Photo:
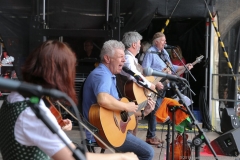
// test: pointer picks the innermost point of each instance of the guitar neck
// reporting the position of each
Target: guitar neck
(157, 80)
(178, 73)
(183, 70)
(140, 106)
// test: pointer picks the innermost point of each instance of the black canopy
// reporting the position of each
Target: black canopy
(22, 25)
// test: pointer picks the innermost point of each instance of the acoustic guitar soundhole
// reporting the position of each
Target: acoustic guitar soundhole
(124, 116)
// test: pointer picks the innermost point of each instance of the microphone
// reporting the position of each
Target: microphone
(127, 70)
(27, 88)
(169, 47)
(151, 72)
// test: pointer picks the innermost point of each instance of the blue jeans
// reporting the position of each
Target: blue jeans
(152, 122)
(133, 144)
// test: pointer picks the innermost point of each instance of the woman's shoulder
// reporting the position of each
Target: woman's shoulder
(15, 97)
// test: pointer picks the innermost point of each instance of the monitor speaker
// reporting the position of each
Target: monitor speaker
(227, 144)
(229, 120)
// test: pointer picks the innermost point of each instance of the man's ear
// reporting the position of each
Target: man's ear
(134, 45)
(106, 58)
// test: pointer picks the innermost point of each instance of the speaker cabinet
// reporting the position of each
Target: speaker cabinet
(227, 144)
(229, 120)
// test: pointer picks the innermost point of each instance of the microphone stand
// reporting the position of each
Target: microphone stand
(168, 65)
(166, 61)
(201, 137)
(184, 65)
(182, 89)
(78, 153)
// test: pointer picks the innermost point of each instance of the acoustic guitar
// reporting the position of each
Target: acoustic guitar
(113, 125)
(137, 93)
(198, 60)
(140, 94)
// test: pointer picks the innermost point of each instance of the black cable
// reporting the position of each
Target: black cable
(160, 153)
(204, 110)
(168, 20)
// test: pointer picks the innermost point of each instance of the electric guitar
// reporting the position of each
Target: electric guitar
(113, 125)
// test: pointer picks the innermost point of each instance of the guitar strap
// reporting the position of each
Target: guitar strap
(119, 93)
(163, 57)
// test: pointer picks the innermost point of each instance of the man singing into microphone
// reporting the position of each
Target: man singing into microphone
(131, 40)
(159, 62)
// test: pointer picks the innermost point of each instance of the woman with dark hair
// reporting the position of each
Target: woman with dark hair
(175, 59)
(52, 65)
(23, 135)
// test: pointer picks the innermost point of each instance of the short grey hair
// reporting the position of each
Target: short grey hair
(157, 36)
(109, 48)
(131, 37)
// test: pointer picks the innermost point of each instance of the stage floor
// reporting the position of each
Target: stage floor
(160, 153)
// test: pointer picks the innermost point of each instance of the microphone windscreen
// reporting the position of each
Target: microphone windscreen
(125, 69)
(147, 71)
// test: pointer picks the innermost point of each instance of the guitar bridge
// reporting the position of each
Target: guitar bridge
(116, 121)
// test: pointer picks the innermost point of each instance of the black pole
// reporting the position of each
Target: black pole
(168, 139)
(173, 129)
(78, 153)
(201, 133)
(197, 142)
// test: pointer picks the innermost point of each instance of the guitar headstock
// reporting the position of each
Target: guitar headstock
(198, 59)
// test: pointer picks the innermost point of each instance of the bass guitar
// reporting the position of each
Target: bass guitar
(113, 125)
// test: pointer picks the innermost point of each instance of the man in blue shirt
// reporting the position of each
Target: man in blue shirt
(159, 64)
(100, 87)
